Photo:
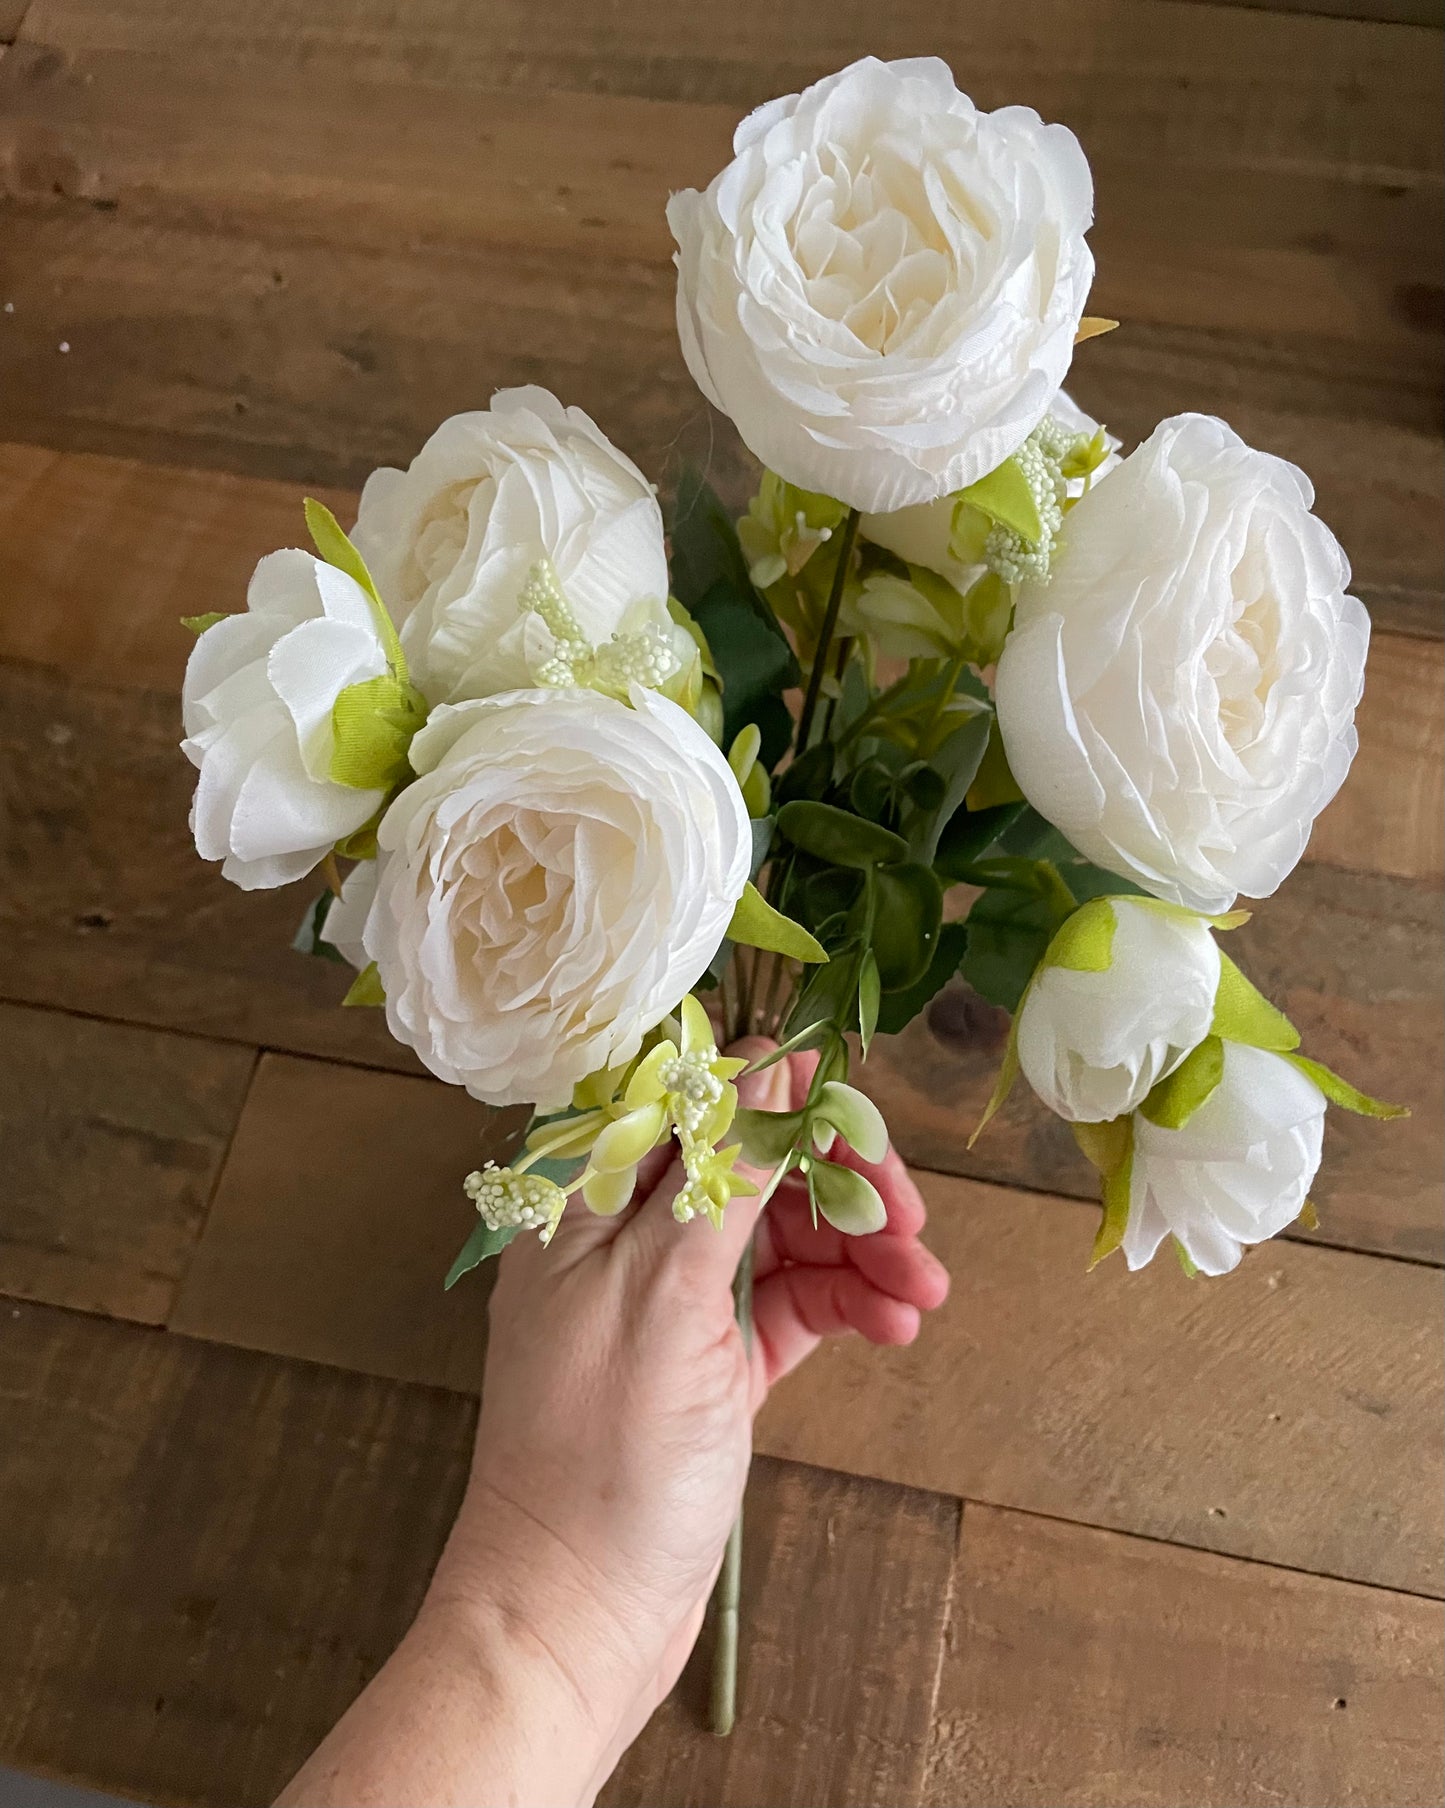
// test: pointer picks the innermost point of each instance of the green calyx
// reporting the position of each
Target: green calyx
(366, 988)
(1085, 943)
(372, 725)
(1243, 1014)
(1340, 1092)
(1109, 1147)
(1179, 1095)
(199, 623)
(335, 549)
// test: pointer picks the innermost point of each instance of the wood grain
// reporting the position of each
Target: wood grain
(111, 1139)
(862, 1573)
(257, 276)
(1355, 959)
(100, 557)
(337, 1218)
(1084, 1670)
(1140, 1402)
(106, 908)
(1147, 1403)
(252, 1536)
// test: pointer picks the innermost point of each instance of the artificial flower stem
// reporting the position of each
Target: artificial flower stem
(728, 1590)
(825, 634)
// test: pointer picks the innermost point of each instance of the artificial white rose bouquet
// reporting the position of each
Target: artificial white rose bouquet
(608, 802)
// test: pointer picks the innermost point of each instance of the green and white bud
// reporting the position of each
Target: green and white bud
(1124, 994)
(847, 1199)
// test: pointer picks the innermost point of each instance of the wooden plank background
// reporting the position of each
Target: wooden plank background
(1095, 1540)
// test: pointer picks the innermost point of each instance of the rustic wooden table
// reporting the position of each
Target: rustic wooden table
(1093, 1541)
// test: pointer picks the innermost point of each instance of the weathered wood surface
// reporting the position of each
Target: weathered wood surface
(1086, 1668)
(207, 1553)
(338, 1217)
(111, 1141)
(195, 217)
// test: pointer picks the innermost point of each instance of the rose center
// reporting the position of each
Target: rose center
(870, 247)
(1243, 663)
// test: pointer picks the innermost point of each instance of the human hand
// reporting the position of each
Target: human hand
(615, 1431)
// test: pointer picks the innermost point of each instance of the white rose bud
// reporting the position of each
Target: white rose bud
(257, 702)
(1237, 1172)
(1093, 1042)
(453, 540)
(1178, 698)
(555, 880)
(882, 288)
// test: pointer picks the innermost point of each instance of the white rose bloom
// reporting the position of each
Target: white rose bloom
(1178, 698)
(1093, 1045)
(1238, 1172)
(452, 540)
(256, 704)
(558, 876)
(921, 534)
(882, 288)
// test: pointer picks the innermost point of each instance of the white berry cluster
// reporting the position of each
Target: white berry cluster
(693, 1089)
(642, 656)
(504, 1198)
(1041, 459)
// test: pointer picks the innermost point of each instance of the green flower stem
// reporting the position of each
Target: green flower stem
(728, 1589)
(825, 635)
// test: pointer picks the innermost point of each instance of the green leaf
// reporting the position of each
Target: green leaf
(838, 836)
(870, 990)
(372, 725)
(1004, 496)
(199, 623)
(1244, 1014)
(970, 835)
(766, 1136)
(808, 776)
(955, 761)
(756, 924)
(831, 994)
(847, 1199)
(1176, 1098)
(308, 940)
(754, 661)
(907, 916)
(900, 1007)
(366, 988)
(1008, 1073)
(483, 1243)
(1085, 943)
(1340, 1092)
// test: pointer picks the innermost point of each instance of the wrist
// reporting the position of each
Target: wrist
(529, 1623)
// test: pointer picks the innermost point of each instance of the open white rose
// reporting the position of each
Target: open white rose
(452, 540)
(1240, 1169)
(1092, 1044)
(257, 703)
(1179, 697)
(557, 877)
(882, 288)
